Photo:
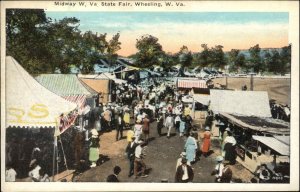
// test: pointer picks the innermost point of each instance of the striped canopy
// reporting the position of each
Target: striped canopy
(190, 83)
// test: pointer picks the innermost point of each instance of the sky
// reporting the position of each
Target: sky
(233, 30)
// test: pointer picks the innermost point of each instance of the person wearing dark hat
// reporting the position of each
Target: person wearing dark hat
(188, 125)
(120, 124)
(182, 126)
(184, 173)
(130, 151)
(114, 177)
(160, 124)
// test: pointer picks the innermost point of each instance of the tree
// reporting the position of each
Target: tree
(26, 38)
(255, 61)
(62, 42)
(149, 51)
(285, 55)
(91, 48)
(205, 56)
(45, 46)
(276, 64)
(185, 56)
(113, 46)
(267, 60)
(185, 59)
(217, 57)
(236, 60)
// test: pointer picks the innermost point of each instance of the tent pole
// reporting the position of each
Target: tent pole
(53, 166)
(57, 156)
(63, 153)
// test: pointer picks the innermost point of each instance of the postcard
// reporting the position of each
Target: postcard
(149, 95)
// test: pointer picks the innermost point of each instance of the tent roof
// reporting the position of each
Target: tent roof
(274, 144)
(64, 84)
(202, 98)
(247, 103)
(100, 85)
(103, 76)
(29, 104)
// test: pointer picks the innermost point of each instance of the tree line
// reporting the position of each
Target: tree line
(45, 46)
(277, 61)
(42, 45)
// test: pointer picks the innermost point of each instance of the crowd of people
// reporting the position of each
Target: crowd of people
(159, 102)
(134, 109)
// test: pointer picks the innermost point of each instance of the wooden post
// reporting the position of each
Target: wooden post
(251, 82)
(226, 79)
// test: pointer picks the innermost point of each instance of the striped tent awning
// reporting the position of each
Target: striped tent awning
(80, 100)
(184, 83)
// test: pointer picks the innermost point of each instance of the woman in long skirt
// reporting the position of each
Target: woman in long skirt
(190, 148)
(126, 118)
(206, 142)
(94, 148)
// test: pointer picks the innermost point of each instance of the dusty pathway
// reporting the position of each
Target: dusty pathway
(161, 157)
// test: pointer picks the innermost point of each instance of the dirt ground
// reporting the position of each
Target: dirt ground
(278, 89)
(161, 157)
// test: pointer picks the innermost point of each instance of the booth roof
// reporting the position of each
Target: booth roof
(275, 144)
(268, 125)
(64, 84)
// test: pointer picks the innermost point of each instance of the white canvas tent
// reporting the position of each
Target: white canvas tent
(247, 103)
(29, 104)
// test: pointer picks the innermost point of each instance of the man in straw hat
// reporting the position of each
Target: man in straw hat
(182, 155)
(138, 161)
(222, 172)
(218, 169)
(184, 173)
(138, 128)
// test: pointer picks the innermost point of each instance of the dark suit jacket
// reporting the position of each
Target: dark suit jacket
(179, 174)
(112, 178)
